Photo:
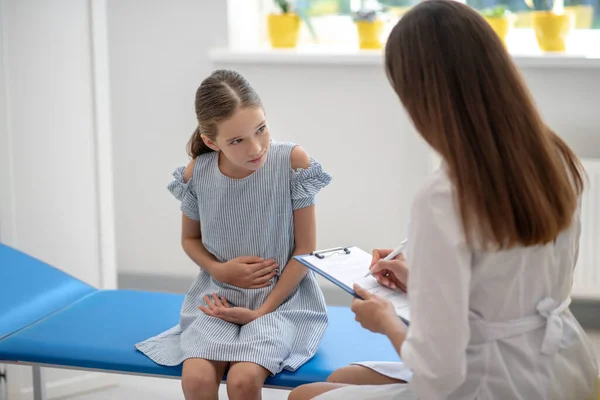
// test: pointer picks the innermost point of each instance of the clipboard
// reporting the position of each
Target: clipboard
(344, 266)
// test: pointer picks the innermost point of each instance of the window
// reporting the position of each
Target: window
(330, 23)
(586, 12)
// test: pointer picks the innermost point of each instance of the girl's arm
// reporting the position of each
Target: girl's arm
(191, 239)
(305, 227)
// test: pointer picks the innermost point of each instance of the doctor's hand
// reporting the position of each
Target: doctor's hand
(392, 274)
(375, 313)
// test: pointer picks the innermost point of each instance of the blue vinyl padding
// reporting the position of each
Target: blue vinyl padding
(31, 289)
(98, 330)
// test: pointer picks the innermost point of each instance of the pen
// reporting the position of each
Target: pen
(393, 254)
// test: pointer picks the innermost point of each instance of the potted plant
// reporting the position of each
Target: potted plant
(500, 19)
(283, 26)
(551, 24)
(397, 8)
(369, 28)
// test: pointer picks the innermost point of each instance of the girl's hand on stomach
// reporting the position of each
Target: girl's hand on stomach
(248, 272)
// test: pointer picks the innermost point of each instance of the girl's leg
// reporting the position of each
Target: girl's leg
(245, 381)
(312, 390)
(359, 375)
(200, 378)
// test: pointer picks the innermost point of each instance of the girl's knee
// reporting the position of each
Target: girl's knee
(196, 384)
(244, 382)
(200, 378)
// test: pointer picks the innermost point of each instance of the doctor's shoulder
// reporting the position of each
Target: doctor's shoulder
(435, 191)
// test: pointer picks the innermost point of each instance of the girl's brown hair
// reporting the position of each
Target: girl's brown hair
(217, 99)
(516, 181)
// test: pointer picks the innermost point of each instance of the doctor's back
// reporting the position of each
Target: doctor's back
(494, 233)
(492, 324)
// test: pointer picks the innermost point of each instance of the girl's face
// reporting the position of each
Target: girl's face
(243, 139)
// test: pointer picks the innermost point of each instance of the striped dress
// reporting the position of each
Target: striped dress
(252, 216)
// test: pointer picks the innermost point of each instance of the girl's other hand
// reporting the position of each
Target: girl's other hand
(218, 307)
(248, 272)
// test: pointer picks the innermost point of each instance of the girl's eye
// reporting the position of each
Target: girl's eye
(262, 129)
(236, 141)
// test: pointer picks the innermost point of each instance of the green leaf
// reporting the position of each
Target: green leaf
(499, 11)
(284, 5)
(304, 16)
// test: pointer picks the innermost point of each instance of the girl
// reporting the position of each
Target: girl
(493, 237)
(248, 207)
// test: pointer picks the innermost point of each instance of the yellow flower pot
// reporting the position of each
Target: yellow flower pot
(369, 34)
(501, 26)
(283, 30)
(551, 30)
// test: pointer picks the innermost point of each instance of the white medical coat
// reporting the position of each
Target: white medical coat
(485, 325)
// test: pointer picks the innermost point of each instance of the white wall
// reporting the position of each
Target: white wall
(50, 102)
(348, 117)
(48, 197)
(6, 217)
(568, 100)
(158, 55)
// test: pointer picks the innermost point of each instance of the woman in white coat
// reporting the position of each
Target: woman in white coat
(493, 238)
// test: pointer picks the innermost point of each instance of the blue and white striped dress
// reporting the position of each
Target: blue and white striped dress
(252, 216)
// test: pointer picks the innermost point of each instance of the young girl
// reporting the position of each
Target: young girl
(248, 206)
(493, 235)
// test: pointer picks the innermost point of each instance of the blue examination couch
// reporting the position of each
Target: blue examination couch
(50, 319)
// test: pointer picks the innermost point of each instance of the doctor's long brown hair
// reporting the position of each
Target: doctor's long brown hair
(469, 102)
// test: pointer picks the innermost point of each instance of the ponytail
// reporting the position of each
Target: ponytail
(196, 145)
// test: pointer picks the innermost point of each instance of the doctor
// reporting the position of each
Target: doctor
(494, 233)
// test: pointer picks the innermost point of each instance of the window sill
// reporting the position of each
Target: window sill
(583, 52)
(321, 55)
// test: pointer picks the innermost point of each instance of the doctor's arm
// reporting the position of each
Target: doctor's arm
(440, 273)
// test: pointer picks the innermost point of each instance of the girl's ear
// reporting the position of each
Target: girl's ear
(211, 144)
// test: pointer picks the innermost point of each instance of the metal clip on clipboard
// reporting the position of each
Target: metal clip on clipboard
(320, 254)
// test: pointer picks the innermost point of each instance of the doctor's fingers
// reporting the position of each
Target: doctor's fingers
(383, 278)
(378, 254)
(395, 267)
